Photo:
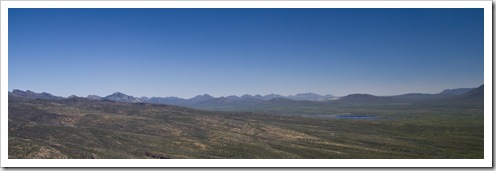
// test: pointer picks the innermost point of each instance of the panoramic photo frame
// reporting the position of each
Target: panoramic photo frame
(485, 162)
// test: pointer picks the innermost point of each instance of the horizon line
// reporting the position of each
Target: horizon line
(327, 94)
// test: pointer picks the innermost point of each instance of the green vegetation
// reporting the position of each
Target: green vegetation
(82, 128)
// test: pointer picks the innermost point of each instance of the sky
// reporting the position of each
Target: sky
(221, 52)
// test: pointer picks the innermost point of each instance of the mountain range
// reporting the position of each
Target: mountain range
(449, 124)
(207, 101)
(33, 95)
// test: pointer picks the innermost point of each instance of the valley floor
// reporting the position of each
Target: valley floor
(82, 128)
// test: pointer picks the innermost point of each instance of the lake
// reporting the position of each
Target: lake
(357, 117)
(342, 116)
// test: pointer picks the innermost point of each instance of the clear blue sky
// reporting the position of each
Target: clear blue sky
(186, 52)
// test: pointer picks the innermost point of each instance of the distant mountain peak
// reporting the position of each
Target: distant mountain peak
(246, 96)
(310, 97)
(201, 98)
(118, 94)
(474, 96)
(456, 91)
(204, 96)
(280, 99)
(33, 95)
(121, 97)
(94, 97)
(46, 94)
(365, 98)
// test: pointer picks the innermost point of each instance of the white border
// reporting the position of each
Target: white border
(488, 83)
(245, 4)
(486, 162)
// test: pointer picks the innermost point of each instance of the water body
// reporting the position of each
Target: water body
(343, 116)
(357, 117)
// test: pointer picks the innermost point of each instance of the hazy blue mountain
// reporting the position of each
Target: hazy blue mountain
(258, 96)
(459, 95)
(301, 96)
(246, 96)
(143, 99)
(81, 100)
(473, 96)
(310, 97)
(169, 100)
(33, 95)
(94, 97)
(281, 101)
(416, 97)
(121, 97)
(201, 98)
(365, 98)
(232, 97)
(271, 96)
(457, 91)
(224, 102)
